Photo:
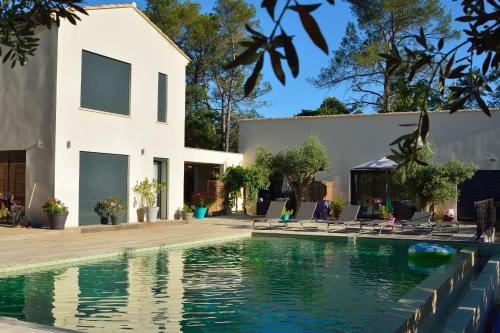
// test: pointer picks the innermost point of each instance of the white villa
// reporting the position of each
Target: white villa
(99, 107)
(102, 105)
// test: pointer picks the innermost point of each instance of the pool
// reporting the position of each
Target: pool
(261, 283)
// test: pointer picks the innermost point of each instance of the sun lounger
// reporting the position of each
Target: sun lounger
(348, 217)
(377, 223)
(446, 224)
(273, 213)
(418, 220)
(304, 214)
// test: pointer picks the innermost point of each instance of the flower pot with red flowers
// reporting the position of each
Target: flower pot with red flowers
(202, 201)
(57, 213)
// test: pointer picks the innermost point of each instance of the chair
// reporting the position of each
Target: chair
(379, 223)
(273, 213)
(348, 216)
(418, 220)
(304, 214)
(446, 224)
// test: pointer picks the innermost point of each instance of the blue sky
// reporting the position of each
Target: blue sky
(298, 94)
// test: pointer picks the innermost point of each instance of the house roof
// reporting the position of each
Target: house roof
(138, 11)
(362, 115)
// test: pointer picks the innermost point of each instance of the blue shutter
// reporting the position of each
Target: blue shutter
(105, 84)
(162, 98)
(101, 176)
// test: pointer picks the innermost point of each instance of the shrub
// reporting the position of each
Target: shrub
(4, 212)
(337, 205)
(298, 165)
(147, 192)
(54, 206)
(203, 199)
(112, 206)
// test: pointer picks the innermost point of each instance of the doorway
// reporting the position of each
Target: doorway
(160, 172)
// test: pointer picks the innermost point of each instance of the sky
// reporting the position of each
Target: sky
(298, 94)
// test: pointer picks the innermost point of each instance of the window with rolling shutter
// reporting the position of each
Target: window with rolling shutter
(162, 98)
(101, 176)
(105, 84)
(13, 174)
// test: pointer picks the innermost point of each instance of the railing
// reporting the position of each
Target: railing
(486, 218)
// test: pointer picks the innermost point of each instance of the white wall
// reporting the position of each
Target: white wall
(120, 33)
(27, 115)
(352, 140)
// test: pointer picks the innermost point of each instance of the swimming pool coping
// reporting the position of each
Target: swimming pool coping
(474, 310)
(419, 309)
(20, 269)
(16, 325)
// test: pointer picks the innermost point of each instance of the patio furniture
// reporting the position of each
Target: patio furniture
(304, 214)
(446, 224)
(420, 220)
(348, 217)
(377, 223)
(273, 213)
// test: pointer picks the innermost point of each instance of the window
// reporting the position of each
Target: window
(105, 84)
(162, 98)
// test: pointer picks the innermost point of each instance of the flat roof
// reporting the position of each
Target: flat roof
(133, 5)
(362, 115)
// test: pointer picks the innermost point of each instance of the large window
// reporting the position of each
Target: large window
(105, 84)
(162, 98)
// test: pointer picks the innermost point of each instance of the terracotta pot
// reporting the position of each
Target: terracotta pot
(189, 217)
(140, 214)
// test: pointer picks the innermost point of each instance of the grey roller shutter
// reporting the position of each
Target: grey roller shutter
(162, 98)
(101, 176)
(105, 84)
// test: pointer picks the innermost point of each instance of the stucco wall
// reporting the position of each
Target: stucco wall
(120, 33)
(27, 115)
(352, 140)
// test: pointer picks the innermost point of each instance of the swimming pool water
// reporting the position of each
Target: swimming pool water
(257, 284)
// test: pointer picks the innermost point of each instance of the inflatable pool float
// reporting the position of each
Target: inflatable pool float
(430, 251)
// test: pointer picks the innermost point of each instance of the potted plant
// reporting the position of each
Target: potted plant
(337, 205)
(4, 212)
(57, 212)
(285, 214)
(188, 213)
(116, 209)
(202, 201)
(147, 191)
(102, 209)
(387, 214)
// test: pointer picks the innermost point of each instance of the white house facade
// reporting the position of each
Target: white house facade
(352, 140)
(99, 107)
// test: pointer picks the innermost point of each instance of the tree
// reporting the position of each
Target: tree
(382, 25)
(251, 179)
(298, 165)
(482, 34)
(432, 183)
(19, 18)
(329, 106)
(215, 99)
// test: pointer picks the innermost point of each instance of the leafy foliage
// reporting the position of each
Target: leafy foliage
(54, 206)
(482, 35)
(381, 26)
(19, 18)
(215, 98)
(203, 199)
(298, 165)
(251, 179)
(147, 192)
(433, 183)
(278, 44)
(329, 106)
